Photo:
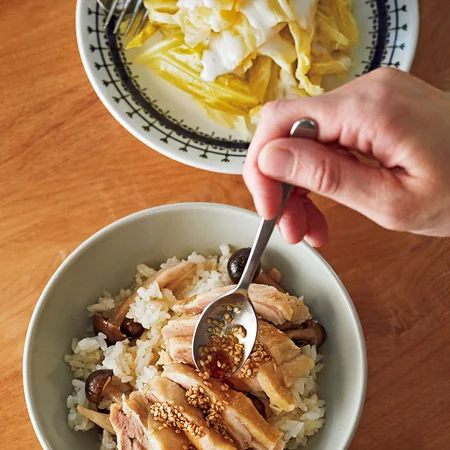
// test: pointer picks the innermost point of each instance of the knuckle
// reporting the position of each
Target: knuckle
(386, 74)
(385, 86)
(271, 110)
(326, 177)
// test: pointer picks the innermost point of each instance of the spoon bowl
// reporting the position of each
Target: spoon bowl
(237, 304)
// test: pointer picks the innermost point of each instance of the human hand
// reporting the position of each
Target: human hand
(398, 120)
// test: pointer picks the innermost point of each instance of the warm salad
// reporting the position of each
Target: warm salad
(233, 56)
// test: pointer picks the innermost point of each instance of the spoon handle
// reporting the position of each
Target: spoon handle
(262, 238)
(306, 129)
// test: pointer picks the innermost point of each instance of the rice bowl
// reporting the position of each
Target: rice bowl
(118, 245)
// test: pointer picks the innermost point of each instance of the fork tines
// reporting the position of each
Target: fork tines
(120, 8)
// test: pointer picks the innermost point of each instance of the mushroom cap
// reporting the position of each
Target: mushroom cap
(237, 262)
(96, 382)
(132, 329)
(112, 332)
(310, 333)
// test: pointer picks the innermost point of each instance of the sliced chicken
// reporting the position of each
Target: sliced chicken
(178, 334)
(273, 378)
(127, 431)
(183, 325)
(249, 385)
(290, 361)
(264, 278)
(271, 381)
(136, 428)
(277, 344)
(277, 307)
(280, 446)
(164, 277)
(180, 349)
(172, 276)
(243, 421)
(270, 304)
(164, 390)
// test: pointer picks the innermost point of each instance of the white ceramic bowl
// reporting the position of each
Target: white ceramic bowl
(108, 259)
(169, 121)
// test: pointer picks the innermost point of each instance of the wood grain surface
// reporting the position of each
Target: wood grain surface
(67, 169)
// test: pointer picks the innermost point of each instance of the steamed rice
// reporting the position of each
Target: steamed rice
(137, 362)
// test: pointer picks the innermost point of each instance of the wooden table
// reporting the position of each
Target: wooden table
(67, 169)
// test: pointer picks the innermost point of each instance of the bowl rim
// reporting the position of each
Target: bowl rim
(65, 265)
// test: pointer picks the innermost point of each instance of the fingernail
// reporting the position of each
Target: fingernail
(276, 162)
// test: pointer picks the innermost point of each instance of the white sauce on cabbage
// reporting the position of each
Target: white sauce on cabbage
(226, 51)
(224, 54)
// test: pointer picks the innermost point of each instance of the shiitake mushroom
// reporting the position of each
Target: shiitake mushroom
(112, 332)
(96, 383)
(115, 333)
(237, 263)
(99, 385)
(132, 329)
(309, 333)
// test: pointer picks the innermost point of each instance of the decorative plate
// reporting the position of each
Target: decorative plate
(169, 121)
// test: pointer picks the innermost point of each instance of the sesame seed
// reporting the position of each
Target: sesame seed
(252, 365)
(172, 416)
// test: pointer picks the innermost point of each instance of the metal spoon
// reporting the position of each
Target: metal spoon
(237, 300)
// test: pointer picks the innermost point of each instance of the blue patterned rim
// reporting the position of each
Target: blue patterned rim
(386, 25)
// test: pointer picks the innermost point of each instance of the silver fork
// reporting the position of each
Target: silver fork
(122, 8)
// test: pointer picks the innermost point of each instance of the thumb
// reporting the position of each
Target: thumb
(316, 167)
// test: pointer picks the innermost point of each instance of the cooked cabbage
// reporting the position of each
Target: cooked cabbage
(233, 56)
